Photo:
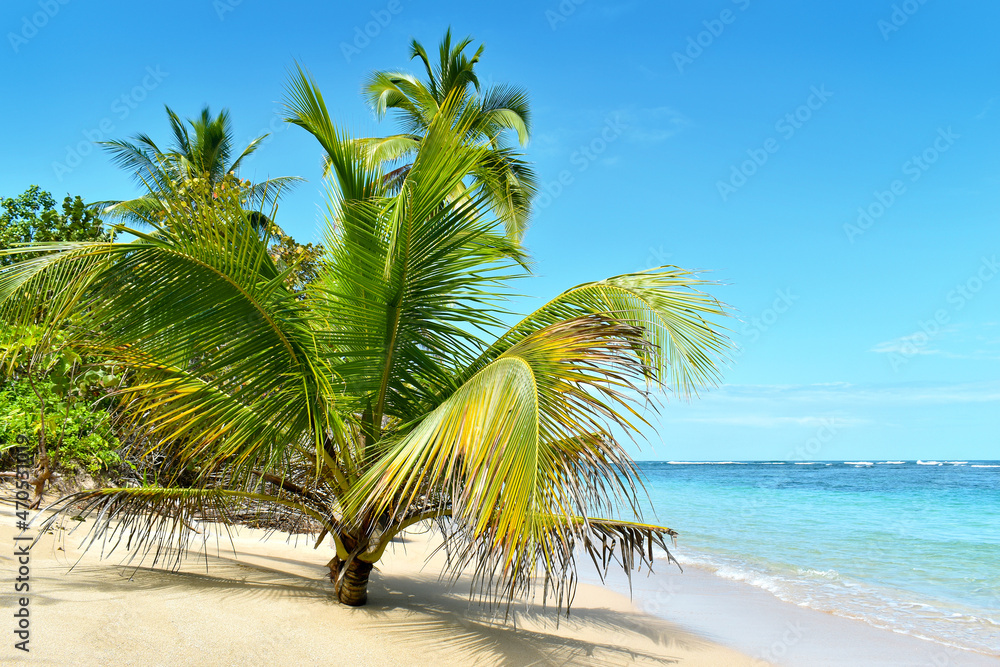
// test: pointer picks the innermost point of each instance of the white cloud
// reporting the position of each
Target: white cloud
(765, 421)
(868, 394)
(653, 124)
(907, 345)
(965, 341)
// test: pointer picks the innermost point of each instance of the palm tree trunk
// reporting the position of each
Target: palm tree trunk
(350, 583)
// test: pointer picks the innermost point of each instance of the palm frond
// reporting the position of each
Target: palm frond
(505, 107)
(686, 345)
(163, 522)
(521, 450)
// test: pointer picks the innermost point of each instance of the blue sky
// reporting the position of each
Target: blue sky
(835, 165)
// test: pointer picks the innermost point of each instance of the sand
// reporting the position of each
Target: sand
(270, 604)
(752, 620)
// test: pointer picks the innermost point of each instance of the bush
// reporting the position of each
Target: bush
(76, 435)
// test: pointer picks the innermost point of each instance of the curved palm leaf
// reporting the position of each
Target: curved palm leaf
(522, 452)
(505, 179)
(378, 397)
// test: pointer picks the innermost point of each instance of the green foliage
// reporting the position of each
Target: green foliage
(375, 382)
(46, 385)
(200, 150)
(305, 260)
(501, 174)
(47, 389)
(76, 435)
(31, 217)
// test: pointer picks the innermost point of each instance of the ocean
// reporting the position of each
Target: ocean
(909, 546)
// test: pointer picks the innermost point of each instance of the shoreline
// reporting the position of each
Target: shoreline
(755, 622)
(271, 603)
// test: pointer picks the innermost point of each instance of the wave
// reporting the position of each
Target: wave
(891, 463)
(979, 465)
(706, 463)
(832, 592)
(858, 463)
(929, 463)
(806, 463)
(956, 463)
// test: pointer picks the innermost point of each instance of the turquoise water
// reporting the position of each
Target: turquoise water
(913, 547)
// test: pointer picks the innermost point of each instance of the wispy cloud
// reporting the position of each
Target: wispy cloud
(579, 128)
(906, 345)
(963, 342)
(765, 421)
(653, 124)
(845, 393)
(986, 110)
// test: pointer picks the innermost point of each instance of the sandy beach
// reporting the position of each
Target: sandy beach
(271, 605)
(770, 631)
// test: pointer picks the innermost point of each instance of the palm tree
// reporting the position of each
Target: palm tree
(391, 391)
(508, 181)
(202, 154)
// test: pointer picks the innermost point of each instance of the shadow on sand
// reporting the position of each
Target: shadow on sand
(418, 611)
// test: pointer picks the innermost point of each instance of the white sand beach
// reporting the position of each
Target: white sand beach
(270, 603)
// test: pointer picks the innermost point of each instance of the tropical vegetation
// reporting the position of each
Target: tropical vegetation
(50, 396)
(395, 386)
(199, 162)
(492, 113)
(32, 217)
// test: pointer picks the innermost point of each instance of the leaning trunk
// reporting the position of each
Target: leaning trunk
(350, 580)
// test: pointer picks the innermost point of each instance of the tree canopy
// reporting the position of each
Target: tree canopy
(390, 388)
(32, 217)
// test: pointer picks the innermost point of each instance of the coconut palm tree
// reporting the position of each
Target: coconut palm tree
(502, 173)
(392, 390)
(203, 153)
